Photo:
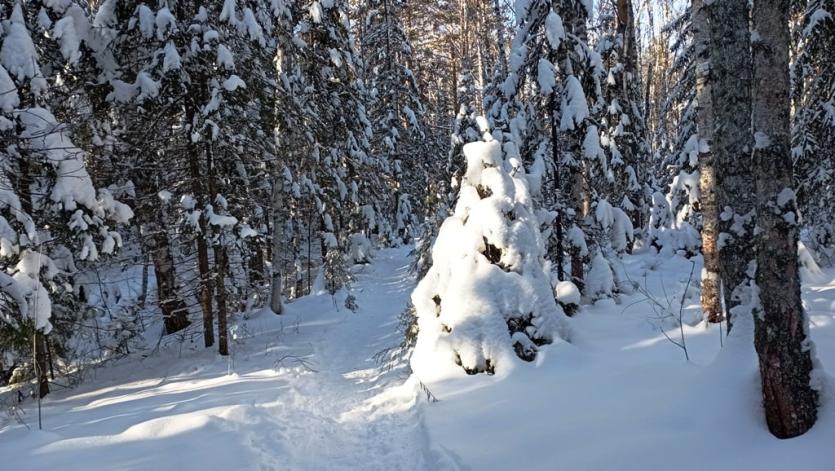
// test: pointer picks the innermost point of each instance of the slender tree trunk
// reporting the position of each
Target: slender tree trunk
(222, 266)
(204, 288)
(780, 325)
(730, 59)
(174, 309)
(711, 281)
(41, 364)
(278, 224)
(39, 361)
(559, 257)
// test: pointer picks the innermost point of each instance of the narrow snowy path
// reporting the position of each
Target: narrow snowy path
(301, 391)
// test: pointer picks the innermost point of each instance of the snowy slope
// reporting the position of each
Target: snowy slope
(620, 397)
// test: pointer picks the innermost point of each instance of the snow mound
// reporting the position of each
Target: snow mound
(486, 299)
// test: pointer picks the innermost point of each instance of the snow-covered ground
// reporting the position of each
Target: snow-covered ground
(303, 391)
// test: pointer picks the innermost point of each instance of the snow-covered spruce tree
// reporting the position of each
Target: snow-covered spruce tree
(396, 109)
(551, 57)
(333, 187)
(781, 328)
(186, 76)
(813, 86)
(623, 131)
(487, 297)
(674, 223)
(51, 214)
(126, 42)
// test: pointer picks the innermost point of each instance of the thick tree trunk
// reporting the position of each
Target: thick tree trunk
(711, 281)
(174, 309)
(730, 59)
(780, 325)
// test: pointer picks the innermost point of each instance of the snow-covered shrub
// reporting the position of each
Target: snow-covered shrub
(600, 281)
(359, 249)
(669, 235)
(486, 298)
(568, 295)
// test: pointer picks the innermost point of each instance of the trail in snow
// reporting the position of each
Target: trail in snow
(301, 391)
(621, 396)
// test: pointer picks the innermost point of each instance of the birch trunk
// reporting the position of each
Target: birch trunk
(780, 325)
(711, 281)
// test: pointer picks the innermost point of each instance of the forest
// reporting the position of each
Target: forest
(417, 234)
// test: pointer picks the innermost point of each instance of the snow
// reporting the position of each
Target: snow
(146, 21)
(70, 40)
(817, 17)
(546, 77)
(761, 140)
(233, 83)
(171, 60)
(301, 391)
(43, 134)
(315, 11)
(18, 55)
(9, 98)
(575, 108)
(621, 396)
(567, 293)
(166, 23)
(224, 57)
(253, 28)
(487, 278)
(554, 30)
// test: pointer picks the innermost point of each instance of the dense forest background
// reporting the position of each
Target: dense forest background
(166, 166)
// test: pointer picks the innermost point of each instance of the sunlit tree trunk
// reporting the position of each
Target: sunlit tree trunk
(711, 281)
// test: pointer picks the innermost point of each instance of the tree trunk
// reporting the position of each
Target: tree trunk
(221, 265)
(780, 325)
(152, 220)
(174, 309)
(730, 59)
(278, 224)
(204, 288)
(40, 363)
(711, 282)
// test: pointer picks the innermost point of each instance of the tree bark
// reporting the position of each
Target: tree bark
(204, 288)
(222, 265)
(730, 59)
(780, 325)
(278, 223)
(711, 281)
(152, 220)
(40, 363)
